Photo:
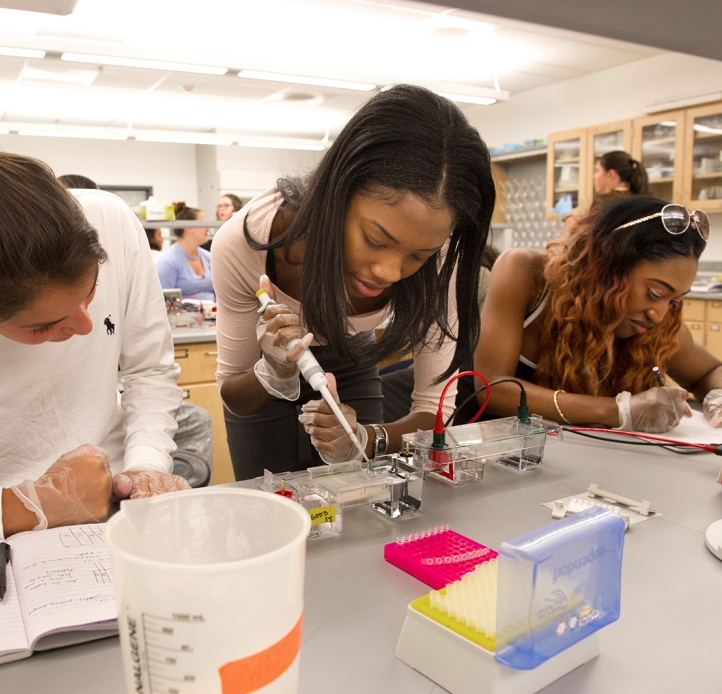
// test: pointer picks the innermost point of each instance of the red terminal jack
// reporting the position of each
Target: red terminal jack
(439, 454)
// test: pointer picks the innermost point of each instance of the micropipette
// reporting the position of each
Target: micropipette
(315, 376)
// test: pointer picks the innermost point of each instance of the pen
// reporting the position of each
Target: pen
(4, 559)
(658, 376)
(662, 384)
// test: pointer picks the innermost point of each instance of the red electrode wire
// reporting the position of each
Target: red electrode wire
(709, 447)
(439, 428)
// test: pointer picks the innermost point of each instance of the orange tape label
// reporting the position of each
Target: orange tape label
(250, 674)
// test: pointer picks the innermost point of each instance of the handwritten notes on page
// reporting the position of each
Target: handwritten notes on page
(14, 642)
(63, 580)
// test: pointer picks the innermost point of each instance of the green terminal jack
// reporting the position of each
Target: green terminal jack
(522, 411)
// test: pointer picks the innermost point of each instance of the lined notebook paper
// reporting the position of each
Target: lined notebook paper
(59, 591)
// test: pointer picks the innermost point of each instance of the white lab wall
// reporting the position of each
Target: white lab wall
(247, 171)
(600, 97)
(169, 168)
(608, 95)
(208, 178)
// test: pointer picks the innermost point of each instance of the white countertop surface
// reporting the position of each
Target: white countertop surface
(184, 336)
(666, 641)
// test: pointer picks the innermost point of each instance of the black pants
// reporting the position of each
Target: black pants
(274, 439)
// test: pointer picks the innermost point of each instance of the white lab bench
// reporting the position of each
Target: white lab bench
(667, 639)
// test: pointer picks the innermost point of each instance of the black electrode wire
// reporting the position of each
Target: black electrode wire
(481, 390)
(681, 449)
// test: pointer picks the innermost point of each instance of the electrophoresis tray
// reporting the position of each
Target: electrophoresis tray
(389, 485)
(511, 441)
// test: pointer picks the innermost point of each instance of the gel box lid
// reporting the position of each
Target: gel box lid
(557, 585)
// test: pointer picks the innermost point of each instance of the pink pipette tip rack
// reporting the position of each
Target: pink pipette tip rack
(437, 556)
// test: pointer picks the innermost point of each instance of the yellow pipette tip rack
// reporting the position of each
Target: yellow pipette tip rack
(467, 606)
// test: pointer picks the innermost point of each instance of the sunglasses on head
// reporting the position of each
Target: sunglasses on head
(676, 220)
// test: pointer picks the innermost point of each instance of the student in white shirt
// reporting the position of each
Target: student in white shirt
(81, 312)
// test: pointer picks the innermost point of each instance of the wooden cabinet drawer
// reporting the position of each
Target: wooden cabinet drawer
(206, 395)
(694, 309)
(197, 362)
(697, 330)
(714, 339)
(714, 311)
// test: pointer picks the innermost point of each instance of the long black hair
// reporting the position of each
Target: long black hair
(407, 139)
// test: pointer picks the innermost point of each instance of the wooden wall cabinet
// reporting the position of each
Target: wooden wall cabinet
(568, 168)
(703, 158)
(198, 381)
(680, 150)
(608, 137)
(659, 143)
(704, 319)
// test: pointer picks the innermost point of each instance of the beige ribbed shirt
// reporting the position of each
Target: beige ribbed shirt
(236, 272)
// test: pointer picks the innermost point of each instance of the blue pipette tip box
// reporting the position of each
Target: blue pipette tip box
(557, 585)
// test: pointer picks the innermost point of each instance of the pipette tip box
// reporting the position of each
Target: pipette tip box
(517, 623)
(437, 556)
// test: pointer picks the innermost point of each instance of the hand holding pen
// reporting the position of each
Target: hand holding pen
(662, 384)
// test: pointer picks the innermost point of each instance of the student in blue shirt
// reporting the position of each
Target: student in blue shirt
(185, 265)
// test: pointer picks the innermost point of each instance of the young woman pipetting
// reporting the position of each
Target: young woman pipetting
(391, 225)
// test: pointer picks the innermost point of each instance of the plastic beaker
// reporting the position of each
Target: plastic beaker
(209, 585)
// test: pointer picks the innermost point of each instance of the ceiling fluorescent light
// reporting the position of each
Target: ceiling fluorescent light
(21, 52)
(466, 99)
(84, 135)
(3, 131)
(64, 75)
(682, 102)
(283, 145)
(147, 64)
(313, 81)
(182, 139)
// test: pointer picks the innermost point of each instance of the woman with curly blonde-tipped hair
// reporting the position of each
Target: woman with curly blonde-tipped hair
(583, 324)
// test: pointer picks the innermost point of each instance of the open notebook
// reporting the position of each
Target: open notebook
(59, 591)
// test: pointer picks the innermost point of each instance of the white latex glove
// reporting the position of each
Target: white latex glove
(654, 411)
(327, 434)
(276, 370)
(140, 484)
(712, 406)
(76, 488)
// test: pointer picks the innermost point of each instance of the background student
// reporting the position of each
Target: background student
(395, 218)
(186, 265)
(228, 205)
(616, 175)
(81, 312)
(583, 324)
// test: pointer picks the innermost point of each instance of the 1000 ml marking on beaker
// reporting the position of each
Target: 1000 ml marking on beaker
(168, 640)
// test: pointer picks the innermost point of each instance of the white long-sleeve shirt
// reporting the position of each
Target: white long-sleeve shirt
(56, 396)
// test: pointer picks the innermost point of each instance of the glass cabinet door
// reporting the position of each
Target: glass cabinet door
(610, 137)
(703, 180)
(658, 140)
(566, 169)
